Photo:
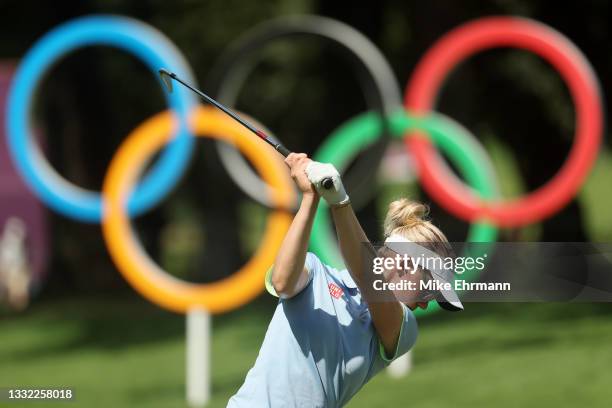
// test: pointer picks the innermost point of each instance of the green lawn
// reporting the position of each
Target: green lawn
(123, 352)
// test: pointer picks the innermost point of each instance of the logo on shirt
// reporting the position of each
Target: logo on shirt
(335, 290)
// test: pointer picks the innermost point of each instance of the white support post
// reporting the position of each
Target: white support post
(198, 358)
(401, 367)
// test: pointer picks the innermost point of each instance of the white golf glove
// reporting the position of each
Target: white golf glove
(317, 173)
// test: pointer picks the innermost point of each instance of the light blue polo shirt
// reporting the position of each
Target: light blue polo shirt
(320, 347)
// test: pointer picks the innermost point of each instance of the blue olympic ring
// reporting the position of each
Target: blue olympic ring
(140, 40)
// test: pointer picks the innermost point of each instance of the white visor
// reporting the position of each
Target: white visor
(447, 299)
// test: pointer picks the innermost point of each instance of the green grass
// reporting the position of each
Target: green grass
(122, 352)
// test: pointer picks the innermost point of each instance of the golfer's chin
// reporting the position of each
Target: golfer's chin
(416, 305)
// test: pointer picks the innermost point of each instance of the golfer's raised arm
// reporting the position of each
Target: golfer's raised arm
(289, 276)
(386, 316)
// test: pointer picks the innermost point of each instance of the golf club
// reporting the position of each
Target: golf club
(167, 77)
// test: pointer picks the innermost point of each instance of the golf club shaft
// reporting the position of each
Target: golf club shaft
(326, 183)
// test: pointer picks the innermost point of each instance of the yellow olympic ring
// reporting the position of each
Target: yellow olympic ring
(132, 261)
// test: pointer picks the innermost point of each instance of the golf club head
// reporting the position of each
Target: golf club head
(166, 77)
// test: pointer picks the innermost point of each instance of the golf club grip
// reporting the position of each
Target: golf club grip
(327, 183)
(282, 150)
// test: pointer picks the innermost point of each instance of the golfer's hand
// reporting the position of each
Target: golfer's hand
(297, 163)
(317, 173)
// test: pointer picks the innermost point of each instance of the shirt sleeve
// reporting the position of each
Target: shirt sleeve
(309, 263)
(407, 337)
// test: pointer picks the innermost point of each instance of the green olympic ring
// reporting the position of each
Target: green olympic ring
(358, 133)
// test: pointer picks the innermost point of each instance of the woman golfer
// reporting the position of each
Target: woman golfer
(325, 341)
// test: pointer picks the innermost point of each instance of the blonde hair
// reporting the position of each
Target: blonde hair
(410, 220)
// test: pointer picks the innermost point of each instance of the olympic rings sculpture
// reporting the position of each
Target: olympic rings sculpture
(138, 269)
(133, 36)
(463, 150)
(417, 123)
(376, 78)
(573, 67)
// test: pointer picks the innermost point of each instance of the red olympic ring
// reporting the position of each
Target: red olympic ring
(573, 67)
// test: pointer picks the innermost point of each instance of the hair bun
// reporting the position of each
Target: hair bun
(405, 213)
